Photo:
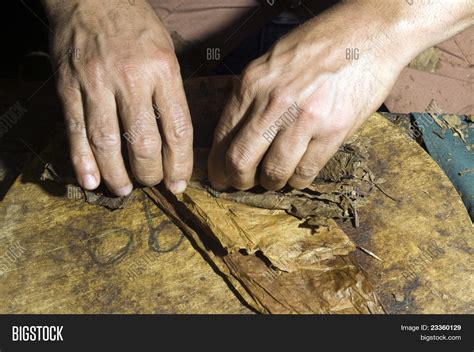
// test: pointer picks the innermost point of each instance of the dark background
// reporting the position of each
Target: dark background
(23, 31)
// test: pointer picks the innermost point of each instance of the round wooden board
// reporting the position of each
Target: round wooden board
(80, 258)
(425, 238)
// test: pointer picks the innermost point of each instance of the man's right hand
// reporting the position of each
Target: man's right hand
(116, 67)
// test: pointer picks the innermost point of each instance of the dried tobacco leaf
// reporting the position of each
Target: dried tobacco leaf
(241, 227)
(276, 265)
(341, 187)
(97, 197)
(348, 163)
(109, 202)
(281, 250)
(340, 289)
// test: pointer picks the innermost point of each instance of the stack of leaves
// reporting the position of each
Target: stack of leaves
(279, 251)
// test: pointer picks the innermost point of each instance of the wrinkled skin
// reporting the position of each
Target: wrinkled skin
(307, 68)
(116, 66)
(334, 94)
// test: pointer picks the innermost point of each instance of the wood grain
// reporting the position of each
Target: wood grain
(72, 257)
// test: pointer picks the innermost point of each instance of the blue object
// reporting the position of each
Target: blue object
(452, 154)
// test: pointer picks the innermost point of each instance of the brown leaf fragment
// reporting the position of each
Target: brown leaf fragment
(96, 197)
(50, 174)
(109, 202)
(348, 162)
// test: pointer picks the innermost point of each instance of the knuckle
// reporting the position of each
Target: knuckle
(168, 65)
(238, 158)
(275, 173)
(281, 98)
(249, 82)
(308, 122)
(316, 119)
(131, 71)
(104, 142)
(222, 131)
(181, 131)
(249, 78)
(146, 147)
(93, 69)
(307, 171)
(76, 127)
(131, 76)
(336, 127)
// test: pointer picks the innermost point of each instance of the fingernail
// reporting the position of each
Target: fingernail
(89, 182)
(178, 187)
(124, 191)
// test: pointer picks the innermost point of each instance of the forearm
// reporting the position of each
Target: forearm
(411, 26)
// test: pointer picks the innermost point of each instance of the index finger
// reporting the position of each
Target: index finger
(232, 119)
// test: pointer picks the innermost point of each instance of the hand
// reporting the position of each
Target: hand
(116, 66)
(298, 103)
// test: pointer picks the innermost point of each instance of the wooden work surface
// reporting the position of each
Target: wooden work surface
(80, 258)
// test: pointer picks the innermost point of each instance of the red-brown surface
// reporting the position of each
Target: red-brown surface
(451, 86)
